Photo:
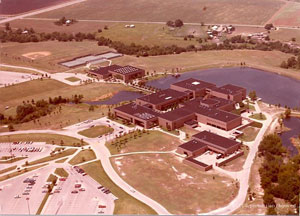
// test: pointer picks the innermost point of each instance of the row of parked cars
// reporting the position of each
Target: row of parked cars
(26, 143)
(104, 190)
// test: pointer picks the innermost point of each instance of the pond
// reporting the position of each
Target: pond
(117, 98)
(294, 124)
(271, 87)
(22, 6)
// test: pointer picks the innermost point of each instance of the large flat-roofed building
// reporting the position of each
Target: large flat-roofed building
(209, 111)
(229, 92)
(195, 87)
(204, 141)
(137, 114)
(175, 118)
(104, 72)
(163, 100)
(217, 143)
(126, 73)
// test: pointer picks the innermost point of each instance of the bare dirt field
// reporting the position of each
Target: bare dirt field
(178, 187)
(208, 11)
(36, 55)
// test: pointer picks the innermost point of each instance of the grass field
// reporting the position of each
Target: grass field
(96, 131)
(53, 157)
(40, 137)
(208, 11)
(12, 160)
(83, 156)
(250, 134)
(20, 172)
(8, 169)
(180, 188)
(37, 89)
(154, 141)
(286, 35)
(125, 204)
(213, 59)
(20, 70)
(258, 116)
(51, 178)
(61, 172)
(12, 53)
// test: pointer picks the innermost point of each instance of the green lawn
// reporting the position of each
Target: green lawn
(258, 116)
(12, 160)
(72, 79)
(51, 178)
(53, 157)
(125, 204)
(250, 134)
(83, 156)
(143, 141)
(19, 172)
(61, 172)
(237, 164)
(54, 139)
(8, 169)
(96, 131)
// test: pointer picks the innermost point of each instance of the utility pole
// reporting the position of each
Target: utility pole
(27, 199)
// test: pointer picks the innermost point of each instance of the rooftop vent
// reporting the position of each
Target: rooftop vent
(195, 83)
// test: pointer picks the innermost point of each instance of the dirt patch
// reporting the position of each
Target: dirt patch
(36, 55)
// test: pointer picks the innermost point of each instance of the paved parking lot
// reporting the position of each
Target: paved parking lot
(14, 187)
(33, 150)
(14, 78)
(83, 202)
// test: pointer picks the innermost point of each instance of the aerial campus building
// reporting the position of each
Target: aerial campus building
(187, 103)
(125, 73)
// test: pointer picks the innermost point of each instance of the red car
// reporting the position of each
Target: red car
(62, 179)
(74, 191)
(82, 189)
(77, 185)
(101, 206)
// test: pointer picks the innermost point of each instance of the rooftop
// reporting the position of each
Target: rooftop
(176, 114)
(163, 96)
(228, 89)
(140, 112)
(105, 70)
(126, 70)
(215, 139)
(194, 84)
(193, 145)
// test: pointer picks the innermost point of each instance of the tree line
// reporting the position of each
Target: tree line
(279, 174)
(292, 62)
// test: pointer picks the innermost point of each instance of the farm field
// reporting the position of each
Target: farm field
(289, 16)
(125, 204)
(208, 11)
(180, 193)
(286, 35)
(13, 53)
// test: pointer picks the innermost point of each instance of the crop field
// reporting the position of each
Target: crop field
(13, 53)
(208, 11)
(289, 16)
(286, 34)
(180, 188)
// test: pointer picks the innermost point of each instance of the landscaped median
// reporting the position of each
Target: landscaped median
(83, 156)
(52, 157)
(96, 131)
(61, 172)
(125, 204)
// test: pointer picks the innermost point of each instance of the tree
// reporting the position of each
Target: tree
(284, 65)
(269, 26)
(287, 113)
(7, 27)
(252, 95)
(91, 108)
(11, 127)
(178, 23)
(1, 117)
(170, 23)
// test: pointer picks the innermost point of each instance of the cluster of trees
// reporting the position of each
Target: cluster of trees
(292, 62)
(252, 95)
(279, 175)
(269, 26)
(63, 21)
(29, 35)
(34, 110)
(176, 23)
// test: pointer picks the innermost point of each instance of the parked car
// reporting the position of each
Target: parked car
(77, 185)
(25, 193)
(44, 191)
(74, 191)
(57, 191)
(17, 196)
(82, 189)
(219, 156)
(100, 187)
(62, 179)
(101, 206)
